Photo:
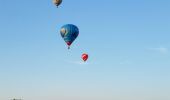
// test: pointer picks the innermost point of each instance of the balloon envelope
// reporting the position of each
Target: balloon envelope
(69, 33)
(84, 57)
(57, 2)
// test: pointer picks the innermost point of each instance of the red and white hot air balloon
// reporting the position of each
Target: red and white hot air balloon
(84, 57)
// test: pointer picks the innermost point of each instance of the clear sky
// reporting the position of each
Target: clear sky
(128, 42)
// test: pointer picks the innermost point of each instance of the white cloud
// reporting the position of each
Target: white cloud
(125, 62)
(160, 49)
(78, 62)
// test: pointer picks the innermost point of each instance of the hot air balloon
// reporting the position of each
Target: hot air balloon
(57, 2)
(84, 57)
(69, 33)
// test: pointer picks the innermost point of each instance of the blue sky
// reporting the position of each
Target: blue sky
(127, 42)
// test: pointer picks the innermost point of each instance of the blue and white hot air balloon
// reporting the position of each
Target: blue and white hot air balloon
(69, 33)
